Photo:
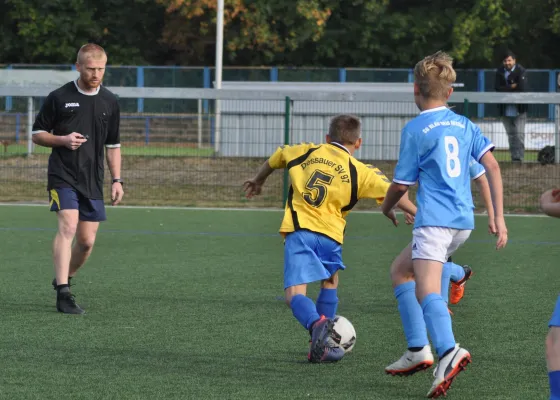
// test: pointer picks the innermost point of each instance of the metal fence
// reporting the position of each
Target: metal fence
(202, 158)
(474, 80)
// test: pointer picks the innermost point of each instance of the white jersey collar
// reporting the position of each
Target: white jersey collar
(434, 109)
(86, 93)
(340, 146)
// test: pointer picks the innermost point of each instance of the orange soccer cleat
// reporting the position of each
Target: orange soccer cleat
(458, 288)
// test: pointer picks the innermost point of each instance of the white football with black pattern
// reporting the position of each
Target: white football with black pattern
(344, 334)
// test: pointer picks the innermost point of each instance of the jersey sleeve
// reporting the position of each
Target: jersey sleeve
(476, 170)
(481, 144)
(113, 135)
(373, 184)
(278, 160)
(45, 119)
(407, 169)
(284, 155)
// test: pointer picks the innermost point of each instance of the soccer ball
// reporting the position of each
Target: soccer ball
(344, 333)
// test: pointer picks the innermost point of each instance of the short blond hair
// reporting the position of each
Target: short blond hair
(90, 50)
(345, 129)
(434, 75)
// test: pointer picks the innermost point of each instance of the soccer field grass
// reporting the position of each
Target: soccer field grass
(152, 151)
(187, 304)
(155, 150)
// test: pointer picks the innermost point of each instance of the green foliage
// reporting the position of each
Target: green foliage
(477, 32)
(36, 31)
(129, 30)
(255, 31)
(327, 33)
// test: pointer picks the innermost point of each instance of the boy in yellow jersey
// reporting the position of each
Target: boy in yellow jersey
(326, 183)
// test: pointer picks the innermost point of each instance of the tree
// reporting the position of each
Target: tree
(383, 33)
(479, 32)
(130, 31)
(36, 31)
(321, 33)
(534, 35)
(255, 31)
(42, 32)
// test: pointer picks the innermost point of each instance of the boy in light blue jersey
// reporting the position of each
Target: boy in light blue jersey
(435, 151)
(419, 354)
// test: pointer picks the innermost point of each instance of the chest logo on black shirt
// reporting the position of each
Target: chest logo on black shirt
(72, 105)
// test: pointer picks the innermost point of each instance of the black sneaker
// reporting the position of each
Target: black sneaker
(53, 283)
(66, 303)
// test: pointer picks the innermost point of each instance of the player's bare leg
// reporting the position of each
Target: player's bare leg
(553, 349)
(418, 356)
(85, 239)
(62, 253)
(62, 245)
(550, 203)
(454, 359)
(428, 277)
(292, 291)
(331, 283)
(553, 360)
(401, 268)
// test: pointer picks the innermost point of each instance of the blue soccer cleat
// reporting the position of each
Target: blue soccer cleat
(323, 348)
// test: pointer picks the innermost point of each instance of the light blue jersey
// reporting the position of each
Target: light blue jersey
(476, 169)
(436, 149)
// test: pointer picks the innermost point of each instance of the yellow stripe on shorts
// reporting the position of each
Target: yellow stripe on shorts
(54, 198)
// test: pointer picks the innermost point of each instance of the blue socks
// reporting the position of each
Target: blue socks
(411, 315)
(554, 379)
(304, 310)
(327, 302)
(438, 322)
(456, 271)
(445, 279)
(307, 313)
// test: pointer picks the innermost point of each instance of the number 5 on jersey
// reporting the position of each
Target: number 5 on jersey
(317, 184)
(452, 151)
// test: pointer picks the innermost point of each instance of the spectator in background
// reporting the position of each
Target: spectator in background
(511, 77)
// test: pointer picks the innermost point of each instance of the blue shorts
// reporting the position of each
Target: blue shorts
(69, 199)
(555, 320)
(310, 257)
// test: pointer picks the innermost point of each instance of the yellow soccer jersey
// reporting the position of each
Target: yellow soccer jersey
(326, 183)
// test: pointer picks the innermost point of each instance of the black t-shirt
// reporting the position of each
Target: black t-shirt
(97, 117)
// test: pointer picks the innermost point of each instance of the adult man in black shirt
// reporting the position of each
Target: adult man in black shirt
(84, 120)
(511, 77)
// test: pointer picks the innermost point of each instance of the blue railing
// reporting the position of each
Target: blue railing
(201, 77)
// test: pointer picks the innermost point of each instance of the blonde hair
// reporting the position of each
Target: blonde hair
(90, 50)
(434, 75)
(345, 129)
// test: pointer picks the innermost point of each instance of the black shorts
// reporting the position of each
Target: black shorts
(69, 199)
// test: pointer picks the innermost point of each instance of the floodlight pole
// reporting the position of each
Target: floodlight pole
(219, 64)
